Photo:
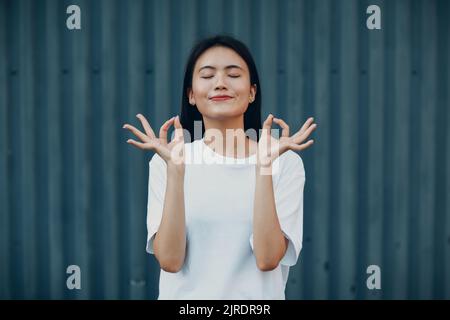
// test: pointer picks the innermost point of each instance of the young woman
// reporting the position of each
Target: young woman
(225, 210)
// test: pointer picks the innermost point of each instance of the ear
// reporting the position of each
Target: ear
(253, 90)
(191, 98)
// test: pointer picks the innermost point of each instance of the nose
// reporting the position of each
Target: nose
(220, 83)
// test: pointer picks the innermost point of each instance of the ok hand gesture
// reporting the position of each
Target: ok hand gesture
(172, 152)
(269, 148)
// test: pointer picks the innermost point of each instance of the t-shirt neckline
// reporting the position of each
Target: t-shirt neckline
(246, 160)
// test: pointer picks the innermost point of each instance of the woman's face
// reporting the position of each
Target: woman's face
(221, 84)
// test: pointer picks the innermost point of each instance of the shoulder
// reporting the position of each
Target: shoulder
(290, 162)
(291, 157)
(157, 162)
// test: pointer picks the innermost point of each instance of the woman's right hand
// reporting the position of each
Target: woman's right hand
(173, 152)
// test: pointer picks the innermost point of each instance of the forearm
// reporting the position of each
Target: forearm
(170, 240)
(269, 244)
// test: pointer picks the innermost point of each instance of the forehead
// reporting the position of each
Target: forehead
(220, 57)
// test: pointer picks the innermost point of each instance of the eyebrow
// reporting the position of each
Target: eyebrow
(227, 67)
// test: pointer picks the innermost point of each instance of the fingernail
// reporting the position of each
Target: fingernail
(124, 126)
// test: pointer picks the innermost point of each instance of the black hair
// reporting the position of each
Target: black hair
(189, 113)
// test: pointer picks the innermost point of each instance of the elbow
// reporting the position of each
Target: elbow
(172, 262)
(265, 265)
(171, 266)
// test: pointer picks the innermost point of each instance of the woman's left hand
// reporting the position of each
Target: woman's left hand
(270, 148)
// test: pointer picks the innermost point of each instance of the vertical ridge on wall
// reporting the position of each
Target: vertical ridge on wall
(27, 145)
(441, 160)
(242, 15)
(111, 131)
(401, 101)
(152, 270)
(390, 87)
(54, 155)
(83, 163)
(414, 144)
(5, 209)
(255, 42)
(307, 108)
(123, 155)
(294, 96)
(335, 150)
(69, 238)
(362, 174)
(162, 62)
(427, 118)
(279, 83)
(444, 167)
(41, 134)
(137, 159)
(375, 130)
(94, 148)
(266, 33)
(318, 177)
(347, 191)
(17, 262)
(446, 263)
(176, 78)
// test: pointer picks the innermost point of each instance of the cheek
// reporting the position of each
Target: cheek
(200, 89)
(242, 89)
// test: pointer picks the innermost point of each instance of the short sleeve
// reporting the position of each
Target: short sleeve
(288, 193)
(155, 203)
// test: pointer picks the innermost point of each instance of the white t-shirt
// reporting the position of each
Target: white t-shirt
(219, 195)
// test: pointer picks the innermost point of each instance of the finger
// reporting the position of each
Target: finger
(302, 146)
(148, 129)
(139, 145)
(136, 132)
(178, 129)
(305, 126)
(268, 123)
(282, 124)
(164, 129)
(302, 137)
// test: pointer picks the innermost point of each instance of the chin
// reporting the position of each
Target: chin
(221, 111)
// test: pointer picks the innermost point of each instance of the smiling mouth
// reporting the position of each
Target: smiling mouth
(221, 98)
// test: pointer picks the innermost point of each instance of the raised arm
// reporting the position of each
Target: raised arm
(170, 240)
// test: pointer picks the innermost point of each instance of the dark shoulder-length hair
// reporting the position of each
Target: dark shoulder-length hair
(189, 113)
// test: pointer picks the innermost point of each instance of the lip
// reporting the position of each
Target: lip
(221, 98)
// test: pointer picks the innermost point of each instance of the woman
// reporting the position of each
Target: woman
(227, 226)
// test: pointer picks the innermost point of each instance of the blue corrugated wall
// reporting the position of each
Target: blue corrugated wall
(73, 192)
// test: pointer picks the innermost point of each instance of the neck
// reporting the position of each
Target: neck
(227, 136)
